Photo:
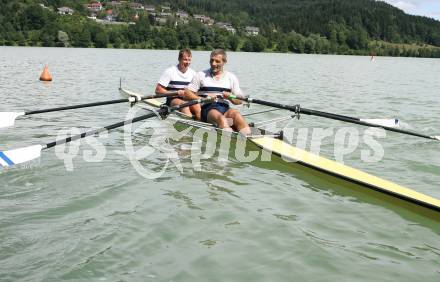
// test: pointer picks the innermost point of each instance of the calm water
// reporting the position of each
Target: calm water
(231, 221)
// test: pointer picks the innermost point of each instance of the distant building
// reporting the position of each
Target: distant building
(149, 8)
(252, 30)
(136, 6)
(65, 11)
(165, 9)
(160, 21)
(114, 4)
(204, 19)
(165, 14)
(109, 16)
(227, 26)
(94, 6)
(182, 15)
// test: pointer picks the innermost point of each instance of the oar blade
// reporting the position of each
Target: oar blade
(7, 119)
(393, 122)
(19, 156)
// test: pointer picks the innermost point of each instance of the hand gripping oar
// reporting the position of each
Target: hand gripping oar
(8, 118)
(22, 155)
(299, 110)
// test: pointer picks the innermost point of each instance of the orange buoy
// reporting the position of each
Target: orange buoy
(45, 75)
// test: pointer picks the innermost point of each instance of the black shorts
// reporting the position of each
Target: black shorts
(169, 99)
(221, 107)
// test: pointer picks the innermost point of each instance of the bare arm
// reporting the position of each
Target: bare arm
(162, 90)
(233, 101)
(190, 95)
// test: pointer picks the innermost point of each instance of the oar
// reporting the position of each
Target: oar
(298, 109)
(8, 118)
(26, 154)
(392, 122)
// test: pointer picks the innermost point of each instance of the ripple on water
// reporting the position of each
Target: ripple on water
(218, 220)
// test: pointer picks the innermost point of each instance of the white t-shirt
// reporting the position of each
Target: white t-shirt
(173, 79)
(203, 82)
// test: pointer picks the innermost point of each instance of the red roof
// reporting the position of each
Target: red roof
(95, 4)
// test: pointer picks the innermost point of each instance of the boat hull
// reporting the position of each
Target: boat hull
(296, 157)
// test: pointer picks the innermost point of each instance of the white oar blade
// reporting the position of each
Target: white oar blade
(19, 156)
(7, 119)
(393, 122)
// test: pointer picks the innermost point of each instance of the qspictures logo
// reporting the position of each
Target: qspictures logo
(151, 140)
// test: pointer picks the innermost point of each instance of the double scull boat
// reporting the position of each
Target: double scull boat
(274, 143)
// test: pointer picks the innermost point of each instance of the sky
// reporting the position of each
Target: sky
(428, 8)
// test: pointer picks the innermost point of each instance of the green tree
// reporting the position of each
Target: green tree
(234, 42)
(101, 39)
(84, 39)
(159, 43)
(259, 43)
(63, 39)
(296, 43)
(247, 46)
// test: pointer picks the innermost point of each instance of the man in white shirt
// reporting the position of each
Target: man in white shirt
(176, 78)
(211, 82)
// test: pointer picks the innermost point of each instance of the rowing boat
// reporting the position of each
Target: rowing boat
(274, 143)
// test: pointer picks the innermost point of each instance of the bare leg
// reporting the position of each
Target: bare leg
(196, 111)
(215, 117)
(238, 122)
(186, 110)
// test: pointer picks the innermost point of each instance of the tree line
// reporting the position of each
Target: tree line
(312, 26)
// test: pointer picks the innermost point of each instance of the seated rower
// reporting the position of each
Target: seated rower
(211, 82)
(177, 78)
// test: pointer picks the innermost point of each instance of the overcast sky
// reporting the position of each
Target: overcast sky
(429, 8)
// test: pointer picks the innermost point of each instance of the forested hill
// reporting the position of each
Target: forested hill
(301, 26)
(378, 19)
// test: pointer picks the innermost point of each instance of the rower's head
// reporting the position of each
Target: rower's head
(184, 59)
(217, 60)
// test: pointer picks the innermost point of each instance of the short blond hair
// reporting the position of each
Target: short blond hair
(183, 52)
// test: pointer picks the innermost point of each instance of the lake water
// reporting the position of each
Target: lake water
(96, 218)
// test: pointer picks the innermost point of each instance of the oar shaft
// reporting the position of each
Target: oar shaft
(76, 106)
(99, 130)
(109, 102)
(337, 115)
(305, 111)
(357, 121)
(162, 111)
(267, 103)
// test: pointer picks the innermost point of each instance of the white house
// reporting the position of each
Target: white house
(149, 8)
(65, 11)
(252, 30)
(137, 6)
(94, 6)
(204, 19)
(182, 15)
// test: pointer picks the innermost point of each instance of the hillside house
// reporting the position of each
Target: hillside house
(65, 11)
(252, 30)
